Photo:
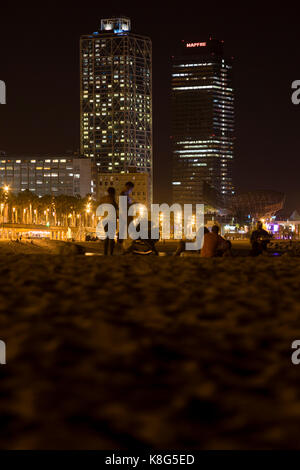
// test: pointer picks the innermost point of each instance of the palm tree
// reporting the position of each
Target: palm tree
(45, 204)
(27, 201)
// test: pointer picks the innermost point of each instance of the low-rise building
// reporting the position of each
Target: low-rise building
(142, 185)
(50, 174)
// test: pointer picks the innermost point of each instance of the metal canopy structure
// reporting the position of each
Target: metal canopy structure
(257, 204)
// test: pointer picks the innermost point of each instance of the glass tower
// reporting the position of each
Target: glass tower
(116, 98)
(202, 123)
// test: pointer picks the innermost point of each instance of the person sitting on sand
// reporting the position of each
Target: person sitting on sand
(180, 248)
(181, 244)
(228, 252)
(222, 245)
(142, 245)
(259, 240)
(210, 243)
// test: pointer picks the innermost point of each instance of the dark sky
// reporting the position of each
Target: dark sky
(39, 61)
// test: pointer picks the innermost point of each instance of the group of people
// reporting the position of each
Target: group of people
(214, 245)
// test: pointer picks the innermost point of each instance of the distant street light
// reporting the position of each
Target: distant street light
(4, 207)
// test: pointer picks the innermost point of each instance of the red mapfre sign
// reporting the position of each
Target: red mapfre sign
(196, 44)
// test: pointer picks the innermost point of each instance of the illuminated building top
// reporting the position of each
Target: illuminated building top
(117, 25)
(207, 47)
(196, 44)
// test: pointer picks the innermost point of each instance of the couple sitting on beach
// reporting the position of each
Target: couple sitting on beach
(213, 244)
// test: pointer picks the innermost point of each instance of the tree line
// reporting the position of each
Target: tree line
(28, 208)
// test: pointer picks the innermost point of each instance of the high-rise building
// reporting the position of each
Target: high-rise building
(116, 98)
(202, 122)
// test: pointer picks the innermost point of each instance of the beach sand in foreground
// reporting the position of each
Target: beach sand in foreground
(159, 352)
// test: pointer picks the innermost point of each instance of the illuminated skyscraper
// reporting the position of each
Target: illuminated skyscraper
(116, 98)
(202, 122)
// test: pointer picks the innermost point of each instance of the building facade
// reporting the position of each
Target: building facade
(142, 186)
(116, 98)
(42, 175)
(202, 122)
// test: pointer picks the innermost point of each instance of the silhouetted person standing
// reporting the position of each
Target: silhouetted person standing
(127, 192)
(109, 243)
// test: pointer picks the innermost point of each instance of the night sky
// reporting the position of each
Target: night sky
(39, 51)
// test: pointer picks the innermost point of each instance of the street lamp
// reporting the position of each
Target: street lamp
(87, 210)
(4, 210)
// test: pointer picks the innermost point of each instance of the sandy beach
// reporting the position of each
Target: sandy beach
(153, 352)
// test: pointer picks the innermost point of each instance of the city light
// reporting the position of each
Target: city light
(196, 44)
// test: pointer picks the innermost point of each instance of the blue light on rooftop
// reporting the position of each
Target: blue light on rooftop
(119, 31)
